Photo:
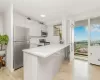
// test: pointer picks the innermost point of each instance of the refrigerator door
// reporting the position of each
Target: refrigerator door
(21, 34)
(18, 54)
(21, 41)
(26, 31)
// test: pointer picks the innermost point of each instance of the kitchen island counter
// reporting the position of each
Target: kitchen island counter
(43, 63)
(45, 51)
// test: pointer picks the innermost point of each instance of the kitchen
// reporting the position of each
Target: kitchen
(41, 40)
(55, 51)
(37, 35)
(25, 33)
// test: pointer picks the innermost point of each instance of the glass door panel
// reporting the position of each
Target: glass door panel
(94, 47)
(95, 31)
(81, 39)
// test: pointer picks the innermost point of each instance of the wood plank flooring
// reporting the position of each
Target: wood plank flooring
(76, 70)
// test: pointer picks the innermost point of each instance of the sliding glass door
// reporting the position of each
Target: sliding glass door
(81, 39)
(94, 45)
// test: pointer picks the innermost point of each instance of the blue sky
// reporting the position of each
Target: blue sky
(81, 32)
(95, 34)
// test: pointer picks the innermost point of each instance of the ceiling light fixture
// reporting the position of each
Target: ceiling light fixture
(43, 15)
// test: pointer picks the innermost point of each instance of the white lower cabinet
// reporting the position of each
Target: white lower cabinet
(94, 55)
(59, 57)
(48, 67)
(39, 68)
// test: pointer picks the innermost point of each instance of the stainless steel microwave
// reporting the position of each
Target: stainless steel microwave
(44, 34)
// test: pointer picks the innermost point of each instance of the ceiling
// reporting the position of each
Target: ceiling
(53, 9)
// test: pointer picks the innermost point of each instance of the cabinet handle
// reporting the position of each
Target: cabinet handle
(98, 59)
(91, 53)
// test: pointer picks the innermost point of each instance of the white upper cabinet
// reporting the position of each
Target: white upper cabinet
(35, 29)
(44, 28)
(19, 20)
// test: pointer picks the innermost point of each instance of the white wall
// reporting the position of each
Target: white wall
(65, 32)
(1, 22)
(51, 38)
(8, 29)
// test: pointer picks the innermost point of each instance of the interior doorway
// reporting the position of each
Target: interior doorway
(81, 40)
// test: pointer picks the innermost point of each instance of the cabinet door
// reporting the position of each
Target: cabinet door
(44, 28)
(35, 29)
(19, 20)
(94, 56)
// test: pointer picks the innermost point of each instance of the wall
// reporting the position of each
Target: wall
(65, 32)
(8, 29)
(51, 38)
(1, 22)
(55, 39)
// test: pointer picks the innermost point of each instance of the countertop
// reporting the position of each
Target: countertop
(45, 51)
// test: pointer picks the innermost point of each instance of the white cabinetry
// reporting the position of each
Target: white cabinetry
(44, 28)
(49, 67)
(35, 29)
(19, 20)
(94, 56)
(37, 68)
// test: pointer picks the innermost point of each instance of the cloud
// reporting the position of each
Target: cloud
(95, 28)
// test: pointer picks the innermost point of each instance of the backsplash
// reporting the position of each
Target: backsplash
(36, 40)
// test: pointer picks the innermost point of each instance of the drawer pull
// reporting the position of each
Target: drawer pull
(98, 59)
(91, 53)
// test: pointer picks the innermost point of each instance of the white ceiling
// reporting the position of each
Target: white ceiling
(53, 9)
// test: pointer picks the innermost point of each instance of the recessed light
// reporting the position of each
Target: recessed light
(43, 15)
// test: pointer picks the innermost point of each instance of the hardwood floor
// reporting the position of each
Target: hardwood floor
(6, 75)
(77, 70)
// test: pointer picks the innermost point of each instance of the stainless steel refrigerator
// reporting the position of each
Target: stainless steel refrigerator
(21, 41)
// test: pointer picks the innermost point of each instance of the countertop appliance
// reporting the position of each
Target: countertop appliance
(21, 41)
(33, 45)
(44, 34)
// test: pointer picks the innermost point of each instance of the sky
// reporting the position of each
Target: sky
(81, 32)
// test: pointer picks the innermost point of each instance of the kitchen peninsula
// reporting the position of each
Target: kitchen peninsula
(42, 63)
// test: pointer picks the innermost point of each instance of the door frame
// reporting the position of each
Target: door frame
(71, 39)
